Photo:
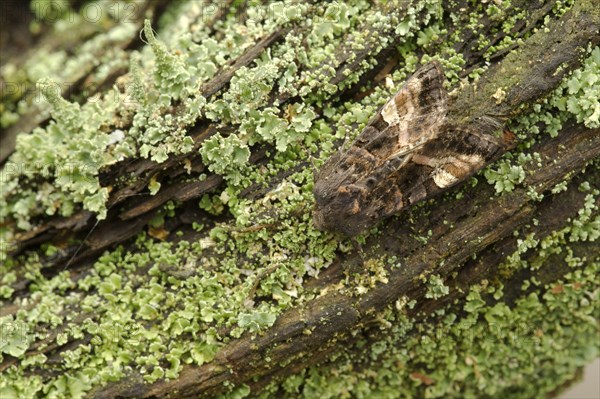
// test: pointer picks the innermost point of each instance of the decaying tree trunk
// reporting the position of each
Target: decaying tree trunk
(490, 290)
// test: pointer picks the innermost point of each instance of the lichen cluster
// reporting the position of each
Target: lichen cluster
(154, 306)
(489, 349)
(482, 346)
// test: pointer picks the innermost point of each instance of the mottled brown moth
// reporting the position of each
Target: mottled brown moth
(408, 152)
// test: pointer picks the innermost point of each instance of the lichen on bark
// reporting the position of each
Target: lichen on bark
(168, 249)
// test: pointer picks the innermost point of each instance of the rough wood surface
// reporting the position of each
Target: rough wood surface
(479, 227)
(465, 241)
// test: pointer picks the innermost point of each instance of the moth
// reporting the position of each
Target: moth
(408, 152)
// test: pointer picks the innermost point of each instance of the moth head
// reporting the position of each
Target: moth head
(341, 209)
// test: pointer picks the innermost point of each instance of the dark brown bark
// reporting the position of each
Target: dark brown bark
(476, 225)
(549, 50)
(481, 227)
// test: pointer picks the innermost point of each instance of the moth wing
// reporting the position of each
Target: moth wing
(411, 118)
(440, 164)
(357, 187)
(457, 155)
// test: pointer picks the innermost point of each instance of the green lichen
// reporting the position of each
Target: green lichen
(155, 307)
(505, 176)
(576, 97)
(466, 356)
(583, 89)
(67, 169)
(102, 49)
(436, 288)
(15, 337)
(171, 76)
(226, 156)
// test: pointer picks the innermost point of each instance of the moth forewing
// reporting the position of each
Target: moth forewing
(406, 153)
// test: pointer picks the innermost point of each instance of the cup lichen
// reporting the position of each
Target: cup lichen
(153, 307)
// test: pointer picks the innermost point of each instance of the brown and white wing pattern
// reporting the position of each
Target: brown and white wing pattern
(405, 154)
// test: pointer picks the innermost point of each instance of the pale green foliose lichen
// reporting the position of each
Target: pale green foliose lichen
(466, 356)
(435, 287)
(505, 176)
(156, 307)
(576, 97)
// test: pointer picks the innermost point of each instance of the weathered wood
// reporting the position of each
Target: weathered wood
(81, 80)
(477, 227)
(466, 239)
(470, 106)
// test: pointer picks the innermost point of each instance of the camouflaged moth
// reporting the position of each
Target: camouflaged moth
(408, 152)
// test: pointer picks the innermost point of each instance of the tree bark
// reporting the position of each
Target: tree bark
(463, 241)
